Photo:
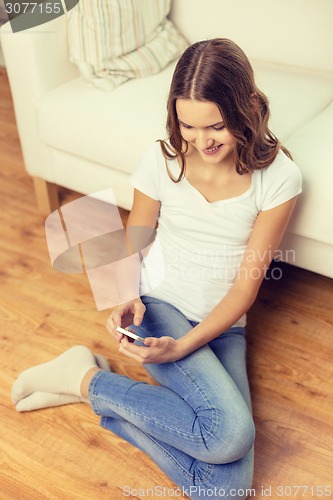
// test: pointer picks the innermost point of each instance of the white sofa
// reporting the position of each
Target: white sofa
(83, 138)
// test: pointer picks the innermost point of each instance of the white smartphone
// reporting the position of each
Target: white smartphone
(129, 334)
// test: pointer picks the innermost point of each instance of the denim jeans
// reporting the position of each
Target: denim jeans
(197, 423)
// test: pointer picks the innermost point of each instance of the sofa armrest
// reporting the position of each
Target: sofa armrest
(39, 54)
(36, 62)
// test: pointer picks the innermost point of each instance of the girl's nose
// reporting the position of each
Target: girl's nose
(203, 141)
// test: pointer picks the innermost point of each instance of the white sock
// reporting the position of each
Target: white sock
(62, 375)
(38, 400)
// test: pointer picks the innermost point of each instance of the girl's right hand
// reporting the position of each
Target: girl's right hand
(124, 315)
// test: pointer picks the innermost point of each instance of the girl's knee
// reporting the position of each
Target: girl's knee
(232, 440)
(241, 439)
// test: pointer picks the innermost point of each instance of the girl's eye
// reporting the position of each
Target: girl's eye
(190, 126)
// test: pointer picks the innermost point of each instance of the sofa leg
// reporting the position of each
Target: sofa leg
(46, 195)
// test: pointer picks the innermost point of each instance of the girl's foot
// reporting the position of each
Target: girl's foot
(62, 375)
(38, 400)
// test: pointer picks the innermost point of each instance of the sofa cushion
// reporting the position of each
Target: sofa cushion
(295, 95)
(114, 128)
(110, 128)
(311, 147)
(112, 41)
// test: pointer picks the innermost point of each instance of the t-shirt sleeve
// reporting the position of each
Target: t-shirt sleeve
(146, 176)
(282, 181)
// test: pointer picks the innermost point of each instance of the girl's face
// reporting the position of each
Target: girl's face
(201, 125)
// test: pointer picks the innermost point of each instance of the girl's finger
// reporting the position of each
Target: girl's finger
(118, 336)
(116, 318)
(123, 349)
(151, 341)
(110, 327)
(139, 310)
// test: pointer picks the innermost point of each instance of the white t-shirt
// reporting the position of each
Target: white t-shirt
(199, 245)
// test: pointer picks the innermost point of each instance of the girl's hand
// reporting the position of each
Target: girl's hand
(156, 350)
(124, 315)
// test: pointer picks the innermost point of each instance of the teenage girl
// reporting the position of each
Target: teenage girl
(221, 191)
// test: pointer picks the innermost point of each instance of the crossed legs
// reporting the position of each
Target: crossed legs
(196, 425)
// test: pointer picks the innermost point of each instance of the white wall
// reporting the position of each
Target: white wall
(289, 32)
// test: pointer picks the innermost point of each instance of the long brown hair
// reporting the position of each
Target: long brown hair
(218, 71)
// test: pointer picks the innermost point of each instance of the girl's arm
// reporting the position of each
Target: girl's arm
(265, 238)
(140, 229)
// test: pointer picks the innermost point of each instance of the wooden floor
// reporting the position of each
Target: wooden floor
(62, 453)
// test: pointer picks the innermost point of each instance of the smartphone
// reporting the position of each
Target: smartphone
(129, 334)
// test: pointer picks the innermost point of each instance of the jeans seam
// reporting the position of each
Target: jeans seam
(215, 412)
(91, 394)
(190, 437)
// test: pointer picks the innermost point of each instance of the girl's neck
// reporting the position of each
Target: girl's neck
(224, 168)
(215, 182)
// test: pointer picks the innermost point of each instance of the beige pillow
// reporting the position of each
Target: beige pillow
(112, 41)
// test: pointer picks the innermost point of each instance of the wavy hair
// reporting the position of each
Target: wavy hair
(218, 71)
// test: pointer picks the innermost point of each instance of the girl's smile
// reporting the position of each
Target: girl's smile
(213, 151)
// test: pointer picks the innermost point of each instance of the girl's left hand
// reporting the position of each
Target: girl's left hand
(156, 350)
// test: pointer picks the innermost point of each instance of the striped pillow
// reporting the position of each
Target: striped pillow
(112, 41)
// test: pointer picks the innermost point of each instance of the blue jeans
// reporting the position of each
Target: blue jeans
(197, 423)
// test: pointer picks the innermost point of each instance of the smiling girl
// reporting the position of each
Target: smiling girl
(221, 191)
